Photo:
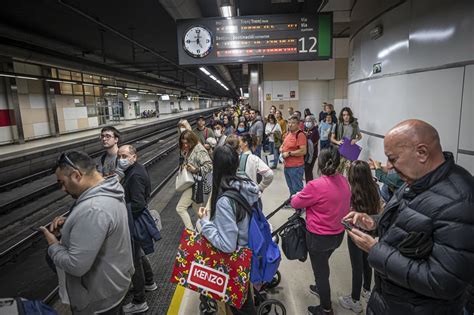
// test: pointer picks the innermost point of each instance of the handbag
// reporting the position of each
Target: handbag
(201, 267)
(184, 180)
(198, 189)
(293, 239)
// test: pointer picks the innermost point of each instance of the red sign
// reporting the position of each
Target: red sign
(208, 279)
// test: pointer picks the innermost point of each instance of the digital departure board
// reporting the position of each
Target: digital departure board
(247, 39)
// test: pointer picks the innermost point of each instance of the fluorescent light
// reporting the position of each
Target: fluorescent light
(113, 87)
(142, 92)
(226, 11)
(213, 77)
(59, 81)
(87, 84)
(205, 71)
(7, 75)
(27, 78)
(129, 89)
(241, 92)
(165, 97)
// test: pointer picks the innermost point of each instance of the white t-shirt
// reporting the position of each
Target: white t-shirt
(270, 129)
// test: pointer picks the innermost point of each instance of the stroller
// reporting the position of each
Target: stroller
(264, 305)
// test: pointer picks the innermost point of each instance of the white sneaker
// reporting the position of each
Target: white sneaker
(151, 287)
(365, 294)
(131, 308)
(348, 303)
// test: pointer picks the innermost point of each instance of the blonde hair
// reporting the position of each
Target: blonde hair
(185, 124)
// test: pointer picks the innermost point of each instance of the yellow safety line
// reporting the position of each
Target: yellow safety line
(176, 301)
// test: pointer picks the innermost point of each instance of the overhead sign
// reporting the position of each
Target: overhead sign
(244, 39)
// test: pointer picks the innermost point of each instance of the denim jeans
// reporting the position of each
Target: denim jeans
(143, 275)
(294, 178)
(325, 144)
(320, 249)
(258, 151)
(385, 193)
(271, 146)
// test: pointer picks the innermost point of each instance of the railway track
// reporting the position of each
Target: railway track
(18, 259)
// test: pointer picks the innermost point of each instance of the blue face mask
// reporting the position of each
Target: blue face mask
(240, 129)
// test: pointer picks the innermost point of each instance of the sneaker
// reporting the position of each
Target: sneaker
(348, 303)
(313, 289)
(318, 310)
(131, 308)
(151, 287)
(365, 294)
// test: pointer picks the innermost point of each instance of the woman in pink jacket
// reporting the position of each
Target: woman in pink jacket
(327, 200)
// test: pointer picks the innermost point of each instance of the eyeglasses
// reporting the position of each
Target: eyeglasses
(64, 159)
(106, 136)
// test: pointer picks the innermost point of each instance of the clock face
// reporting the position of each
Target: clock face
(197, 42)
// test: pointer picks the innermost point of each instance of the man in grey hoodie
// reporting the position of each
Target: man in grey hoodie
(94, 255)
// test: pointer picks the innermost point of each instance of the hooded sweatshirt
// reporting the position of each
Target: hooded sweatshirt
(223, 231)
(95, 251)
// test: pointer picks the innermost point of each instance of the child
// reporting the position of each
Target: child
(325, 129)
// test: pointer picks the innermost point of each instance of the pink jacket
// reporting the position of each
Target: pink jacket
(327, 200)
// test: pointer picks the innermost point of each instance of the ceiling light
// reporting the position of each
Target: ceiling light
(129, 89)
(213, 77)
(226, 11)
(59, 81)
(205, 71)
(27, 78)
(113, 87)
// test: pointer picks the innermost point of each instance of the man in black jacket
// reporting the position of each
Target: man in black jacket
(136, 184)
(424, 257)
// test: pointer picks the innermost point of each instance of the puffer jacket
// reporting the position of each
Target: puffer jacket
(440, 204)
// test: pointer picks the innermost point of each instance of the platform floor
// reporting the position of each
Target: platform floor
(30, 145)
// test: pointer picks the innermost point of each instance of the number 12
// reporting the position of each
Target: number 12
(312, 49)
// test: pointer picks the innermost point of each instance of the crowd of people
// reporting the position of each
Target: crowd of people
(408, 222)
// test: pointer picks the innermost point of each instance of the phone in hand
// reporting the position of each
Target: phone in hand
(347, 225)
(36, 229)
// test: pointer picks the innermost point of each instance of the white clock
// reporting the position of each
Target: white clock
(197, 42)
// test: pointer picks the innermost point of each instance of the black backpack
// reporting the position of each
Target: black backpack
(293, 239)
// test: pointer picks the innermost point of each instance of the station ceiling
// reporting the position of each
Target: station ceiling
(135, 39)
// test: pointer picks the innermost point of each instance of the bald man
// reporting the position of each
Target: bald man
(136, 184)
(424, 257)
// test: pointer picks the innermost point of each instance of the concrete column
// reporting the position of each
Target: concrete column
(11, 92)
(51, 104)
(256, 86)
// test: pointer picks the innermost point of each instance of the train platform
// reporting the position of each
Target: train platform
(293, 291)
(38, 145)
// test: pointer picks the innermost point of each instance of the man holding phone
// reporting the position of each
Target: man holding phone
(93, 259)
(424, 256)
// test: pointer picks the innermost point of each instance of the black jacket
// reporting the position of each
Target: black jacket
(440, 204)
(136, 184)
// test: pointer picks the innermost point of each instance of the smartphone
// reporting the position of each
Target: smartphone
(36, 229)
(347, 225)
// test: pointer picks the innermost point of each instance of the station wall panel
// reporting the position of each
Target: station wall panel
(316, 70)
(312, 95)
(466, 140)
(466, 161)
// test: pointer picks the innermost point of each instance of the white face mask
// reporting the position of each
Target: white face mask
(308, 124)
(123, 164)
(218, 133)
(182, 129)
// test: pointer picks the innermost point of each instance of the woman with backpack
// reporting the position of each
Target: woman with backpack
(348, 128)
(273, 133)
(252, 165)
(227, 226)
(366, 199)
(327, 201)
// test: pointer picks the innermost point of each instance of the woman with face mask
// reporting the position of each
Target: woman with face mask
(228, 125)
(312, 133)
(219, 133)
(241, 128)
